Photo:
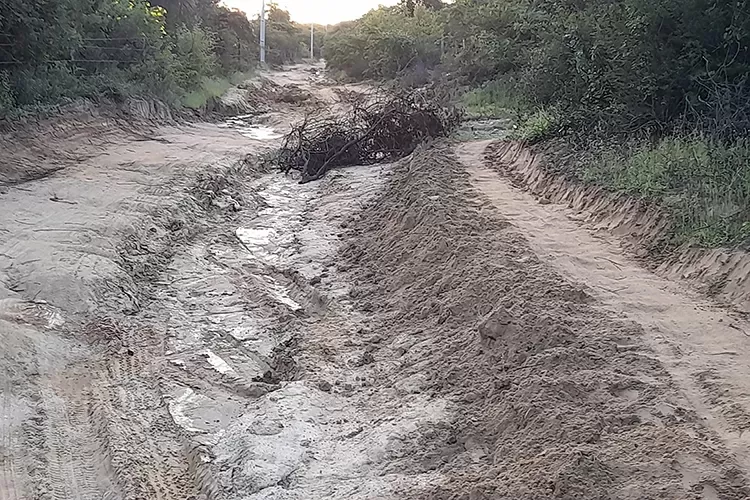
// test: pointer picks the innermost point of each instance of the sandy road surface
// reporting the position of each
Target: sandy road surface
(177, 324)
(705, 348)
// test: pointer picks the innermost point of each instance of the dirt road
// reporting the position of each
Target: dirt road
(704, 347)
(176, 323)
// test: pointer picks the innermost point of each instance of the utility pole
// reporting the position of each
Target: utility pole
(312, 40)
(322, 48)
(263, 33)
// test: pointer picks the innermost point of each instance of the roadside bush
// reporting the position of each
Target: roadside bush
(287, 41)
(46, 84)
(539, 125)
(385, 43)
(7, 99)
(172, 50)
(494, 99)
(703, 182)
(194, 58)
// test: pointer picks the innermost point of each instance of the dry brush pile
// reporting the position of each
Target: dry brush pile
(378, 127)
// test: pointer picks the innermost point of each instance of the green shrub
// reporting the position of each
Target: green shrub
(494, 99)
(540, 125)
(7, 99)
(173, 50)
(194, 57)
(703, 183)
(210, 88)
(385, 43)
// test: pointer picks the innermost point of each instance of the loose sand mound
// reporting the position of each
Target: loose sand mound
(556, 398)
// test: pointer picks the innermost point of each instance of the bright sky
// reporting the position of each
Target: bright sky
(315, 11)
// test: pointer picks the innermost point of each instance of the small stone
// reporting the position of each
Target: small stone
(496, 325)
(502, 384)
(316, 280)
(324, 386)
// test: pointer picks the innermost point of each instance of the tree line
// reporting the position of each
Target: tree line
(52, 50)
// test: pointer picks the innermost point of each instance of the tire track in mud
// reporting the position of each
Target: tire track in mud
(9, 487)
(147, 453)
(48, 453)
(143, 449)
(72, 460)
(100, 427)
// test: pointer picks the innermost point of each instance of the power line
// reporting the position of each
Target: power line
(90, 39)
(48, 61)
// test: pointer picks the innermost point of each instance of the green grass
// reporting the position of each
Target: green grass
(537, 126)
(494, 99)
(212, 88)
(704, 184)
(497, 100)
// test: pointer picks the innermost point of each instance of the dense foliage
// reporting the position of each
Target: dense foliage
(51, 50)
(654, 92)
(385, 42)
(614, 65)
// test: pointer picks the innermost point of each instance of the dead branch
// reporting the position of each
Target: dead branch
(380, 127)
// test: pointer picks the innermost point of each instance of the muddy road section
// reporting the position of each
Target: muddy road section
(176, 323)
(149, 313)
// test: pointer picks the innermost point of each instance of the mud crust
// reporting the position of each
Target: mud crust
(556, 398)
(722, 273)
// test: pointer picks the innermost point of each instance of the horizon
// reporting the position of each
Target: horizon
(325, 12)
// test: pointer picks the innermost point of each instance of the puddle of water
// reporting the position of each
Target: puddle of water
(217, 363)
(260, 132)
(181, 404)
(255, 236)
(33, 313)
(282, 295)
(200, 414)
(251, 130)
(271, 237)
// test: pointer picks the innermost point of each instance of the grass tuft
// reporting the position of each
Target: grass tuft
(703, 183)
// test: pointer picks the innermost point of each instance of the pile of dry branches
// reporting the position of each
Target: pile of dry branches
(379, 127)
